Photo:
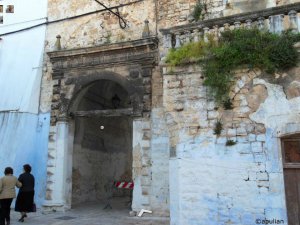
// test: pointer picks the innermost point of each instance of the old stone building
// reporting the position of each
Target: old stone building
(111, 109)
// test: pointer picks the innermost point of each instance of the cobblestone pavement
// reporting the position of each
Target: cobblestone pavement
(89, 214)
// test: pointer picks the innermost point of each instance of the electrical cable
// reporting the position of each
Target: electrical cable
(121, 19)
(71, 18)
(22, 22)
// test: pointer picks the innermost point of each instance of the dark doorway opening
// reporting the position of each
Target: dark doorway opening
(102, 149)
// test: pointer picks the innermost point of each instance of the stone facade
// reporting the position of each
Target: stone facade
(74, 70)
(241, 182)
(180, 167)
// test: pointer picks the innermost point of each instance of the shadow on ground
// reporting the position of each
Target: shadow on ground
(91, 214)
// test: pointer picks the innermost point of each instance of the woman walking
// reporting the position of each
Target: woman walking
(7, 193)
(24, 202)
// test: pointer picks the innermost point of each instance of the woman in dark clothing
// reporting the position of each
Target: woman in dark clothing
(24, 202)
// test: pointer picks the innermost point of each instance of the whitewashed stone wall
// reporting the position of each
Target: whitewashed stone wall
(188, 119)
(211, 183)
(20, 57)
(160, 196)
(141, 165)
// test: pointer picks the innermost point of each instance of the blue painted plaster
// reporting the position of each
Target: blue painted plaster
(24, 139)
(214, 184)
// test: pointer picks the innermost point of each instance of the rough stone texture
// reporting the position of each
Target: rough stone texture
(172, 13)
(141, 163)
(293, 90)
(81, 73)
(160, 196)
(160, 163)
(69, 70)
(91, 30)
(256, 96)
(85, 32)
(210, 179)
(98, 28)
(207, 181)
(238, 6)
(101, 157)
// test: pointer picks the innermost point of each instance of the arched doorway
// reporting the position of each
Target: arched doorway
(102, 146)
(77, 74)
(291, 169)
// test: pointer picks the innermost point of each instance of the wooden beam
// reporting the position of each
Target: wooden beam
(105, 113)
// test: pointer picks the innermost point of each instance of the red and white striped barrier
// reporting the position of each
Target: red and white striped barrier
(126, 185)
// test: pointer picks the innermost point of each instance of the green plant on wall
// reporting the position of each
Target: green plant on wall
(230, 143)
(190, 53)
(228, 104)
(249, 47)
(199, 11)
(253, 48)
(218, 128)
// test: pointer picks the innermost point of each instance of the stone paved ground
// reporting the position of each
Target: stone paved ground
(89, 214)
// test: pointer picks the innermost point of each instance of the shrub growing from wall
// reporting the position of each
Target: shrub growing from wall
(250, 47)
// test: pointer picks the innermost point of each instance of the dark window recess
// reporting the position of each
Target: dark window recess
(292, 151)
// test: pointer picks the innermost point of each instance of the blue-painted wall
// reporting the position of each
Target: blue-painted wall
(24, 139)
(23, 131)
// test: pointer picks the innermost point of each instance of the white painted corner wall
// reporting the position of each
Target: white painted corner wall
(21, 55)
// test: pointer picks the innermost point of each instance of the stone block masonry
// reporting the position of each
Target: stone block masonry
(179, 164)
(222, 184)
(98, 28)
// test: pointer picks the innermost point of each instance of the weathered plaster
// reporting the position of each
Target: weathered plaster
(23, 129)
(203, 173)
(214, 183)
(21, 59)
(189, 113)
(277, 110)
(141, 166)
(24, 139)
(21, 71)
(160, 196)
(98, 28)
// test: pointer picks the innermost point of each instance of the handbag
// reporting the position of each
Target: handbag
(33, 207)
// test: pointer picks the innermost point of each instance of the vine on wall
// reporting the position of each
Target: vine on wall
(249, 47)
